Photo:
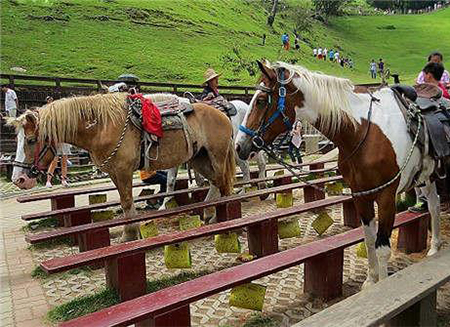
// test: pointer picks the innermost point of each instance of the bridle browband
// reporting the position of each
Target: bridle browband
(257, 135)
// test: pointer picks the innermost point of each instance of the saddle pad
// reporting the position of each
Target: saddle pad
(437, 135)
(172, 122)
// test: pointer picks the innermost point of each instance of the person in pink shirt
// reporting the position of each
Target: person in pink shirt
(437, 58)
(432, 74)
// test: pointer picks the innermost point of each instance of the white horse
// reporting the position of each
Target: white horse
(236, 120)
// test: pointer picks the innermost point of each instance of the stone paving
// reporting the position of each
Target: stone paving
(25, 301)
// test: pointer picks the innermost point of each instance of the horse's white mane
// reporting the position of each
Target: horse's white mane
(328, 95)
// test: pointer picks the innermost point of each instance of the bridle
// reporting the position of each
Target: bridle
(39, 153)
(257, 135)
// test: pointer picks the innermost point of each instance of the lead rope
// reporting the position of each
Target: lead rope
(291, 168)
(119, 143)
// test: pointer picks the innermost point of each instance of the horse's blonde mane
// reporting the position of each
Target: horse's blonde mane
(59, 120)
(328, 95)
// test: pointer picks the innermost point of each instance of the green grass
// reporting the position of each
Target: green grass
(39, 273)
(175, 41)
(39, 224)
(107, 297)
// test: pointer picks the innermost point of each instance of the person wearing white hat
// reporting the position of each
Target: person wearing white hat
(211, 84)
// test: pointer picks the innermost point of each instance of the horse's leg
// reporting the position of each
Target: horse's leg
(171, 180)
(210, 213)
(124, 184)
(386, 217)
(367, 215)
(245, 169)
(261, 160)
(434, 205)
(199, 179)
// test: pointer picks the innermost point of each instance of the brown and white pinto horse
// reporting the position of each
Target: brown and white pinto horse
(97, 124)
(365, 161)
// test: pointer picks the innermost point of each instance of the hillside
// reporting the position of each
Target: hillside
(175, 41)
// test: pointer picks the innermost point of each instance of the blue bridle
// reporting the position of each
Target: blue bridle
(280, 112)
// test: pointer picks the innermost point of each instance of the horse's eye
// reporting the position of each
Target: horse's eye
(31, 141)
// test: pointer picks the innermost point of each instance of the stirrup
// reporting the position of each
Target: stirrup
(441, 171)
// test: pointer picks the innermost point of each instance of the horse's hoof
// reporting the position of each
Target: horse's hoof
(211, 220)
(367, 283)
(432, 251)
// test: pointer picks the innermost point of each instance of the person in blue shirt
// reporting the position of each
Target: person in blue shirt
(331, 55)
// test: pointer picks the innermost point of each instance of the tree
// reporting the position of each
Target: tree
(328, 8)
(273, 12)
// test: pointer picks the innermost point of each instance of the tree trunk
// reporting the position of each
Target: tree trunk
(273, 12)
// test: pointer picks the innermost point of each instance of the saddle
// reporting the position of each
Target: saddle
(218, 102)
(435, 113)
(173, 114)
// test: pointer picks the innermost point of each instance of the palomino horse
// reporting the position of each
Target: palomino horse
(97, 123)
(236, 121)
(382, 155)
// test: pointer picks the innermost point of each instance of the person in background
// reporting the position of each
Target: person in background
(433, 72)
(11, 101)
(297, 43)
(118, 87)
(438, 58)
(331, 55)
(373, 69)
(315, 52)
(264, 39)
(63, 151)
(211, 85)
(295, 142)
(325, 53)
(336, 57)
(150, 177)
(381, 66)
(319, 54)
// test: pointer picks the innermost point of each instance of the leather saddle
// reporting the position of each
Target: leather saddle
(435, 113)
(218, 102)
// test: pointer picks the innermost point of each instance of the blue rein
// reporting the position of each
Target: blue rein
(279, 112)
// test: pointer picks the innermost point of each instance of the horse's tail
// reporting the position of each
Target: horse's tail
(230, 170)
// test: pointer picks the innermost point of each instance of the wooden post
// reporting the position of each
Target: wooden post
(127, 275)
(323, 275)
(94, 239)
(350, 215)
(422, 313)
(180, 317)
(263, 238)
(62, 202)
(182, 199)
(75, 219)
(228, 211)
(312, 194)
(413, 236)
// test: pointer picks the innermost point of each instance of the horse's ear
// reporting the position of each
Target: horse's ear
(268, 72)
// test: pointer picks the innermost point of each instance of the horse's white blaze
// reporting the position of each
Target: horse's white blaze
(20, 155)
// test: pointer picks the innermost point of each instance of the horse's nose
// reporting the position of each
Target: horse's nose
(19, 181)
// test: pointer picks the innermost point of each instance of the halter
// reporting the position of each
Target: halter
(258, 141)
(33, 168)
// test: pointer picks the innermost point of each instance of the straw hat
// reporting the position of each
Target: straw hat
(210, 74)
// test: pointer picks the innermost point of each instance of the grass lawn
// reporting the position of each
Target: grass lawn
(175, 41)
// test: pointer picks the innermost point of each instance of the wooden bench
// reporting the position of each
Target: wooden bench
(96, 235)
(407, 298)
(323, 277)
(198, 194)
(66, 199)
(262, 232)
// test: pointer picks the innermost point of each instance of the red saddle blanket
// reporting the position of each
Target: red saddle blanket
(151, 117)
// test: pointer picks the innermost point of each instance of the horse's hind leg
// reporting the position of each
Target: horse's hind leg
(367, 215)
(171, 180)
(434, 205)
